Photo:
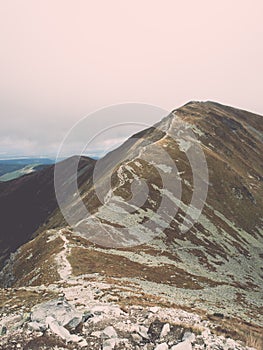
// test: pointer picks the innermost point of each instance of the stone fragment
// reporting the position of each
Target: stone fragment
(165, 330)
(108, 333)
(162, 346)
(185, 345)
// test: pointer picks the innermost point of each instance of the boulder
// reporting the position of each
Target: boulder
(109, 333)
(64, 313)
(62, 332)
(58, 329)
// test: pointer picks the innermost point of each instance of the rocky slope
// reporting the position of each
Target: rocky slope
(128, 255)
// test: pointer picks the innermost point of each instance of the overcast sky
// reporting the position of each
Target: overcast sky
(60, 60)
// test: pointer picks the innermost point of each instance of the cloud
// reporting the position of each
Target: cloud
(59, 61)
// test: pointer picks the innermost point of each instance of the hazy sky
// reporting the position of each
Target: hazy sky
(61, 60)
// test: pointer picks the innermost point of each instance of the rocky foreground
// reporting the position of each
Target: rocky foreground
(58, 324)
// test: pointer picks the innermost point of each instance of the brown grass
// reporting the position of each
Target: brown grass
(254, 340)
(12, 299)
(85, 261)
(249, 334)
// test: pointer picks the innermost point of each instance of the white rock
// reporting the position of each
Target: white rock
(206, 333)
(61, 331)
(154, 309)
(57, 329)
(189, 336)
(143, 332)
(165, 330)
(230, 343)
(64, 313)
(36, 326)
(162, 346)
(109, 332)
(109, 344)
(75, 338)
(185, 345)
(12, 321)
(83, 343)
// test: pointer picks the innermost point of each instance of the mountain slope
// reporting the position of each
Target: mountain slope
(222, 253)
(26, 203)
(12, 165)
(143, 250)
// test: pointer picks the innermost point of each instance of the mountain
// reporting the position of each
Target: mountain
(22, 171)
(13, 168)
(27, 202)
(174, 219)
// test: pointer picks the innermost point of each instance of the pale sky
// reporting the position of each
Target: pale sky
(60, 60)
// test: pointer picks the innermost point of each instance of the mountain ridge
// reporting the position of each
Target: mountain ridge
(213, 268)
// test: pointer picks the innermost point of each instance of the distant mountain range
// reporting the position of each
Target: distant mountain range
(15, 167)
(213, 268)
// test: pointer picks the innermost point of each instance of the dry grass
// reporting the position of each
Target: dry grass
(255, 341)
(12, 299)
(43, 254)
(85, 261)
(249, 334)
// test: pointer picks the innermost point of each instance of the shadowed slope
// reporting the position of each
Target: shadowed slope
(27, 202)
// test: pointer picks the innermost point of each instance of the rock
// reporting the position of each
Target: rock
(36, 326)
(155, 329)
(108, 333)
(185, 345)
(230, 343)
(76, 338)
(26, 316)
(199, 340)
(206, 333)
(3, 330)
(63, 333)
(109, 344)
(64, 313)
(165, 330)
(96, 334)
(12, 322)
(154, 309)
(58, 329)
(189, 336)
(178, 333)
(143, 331)
(136, 337)
(162, 346)
(86, 316)
(83, 343)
